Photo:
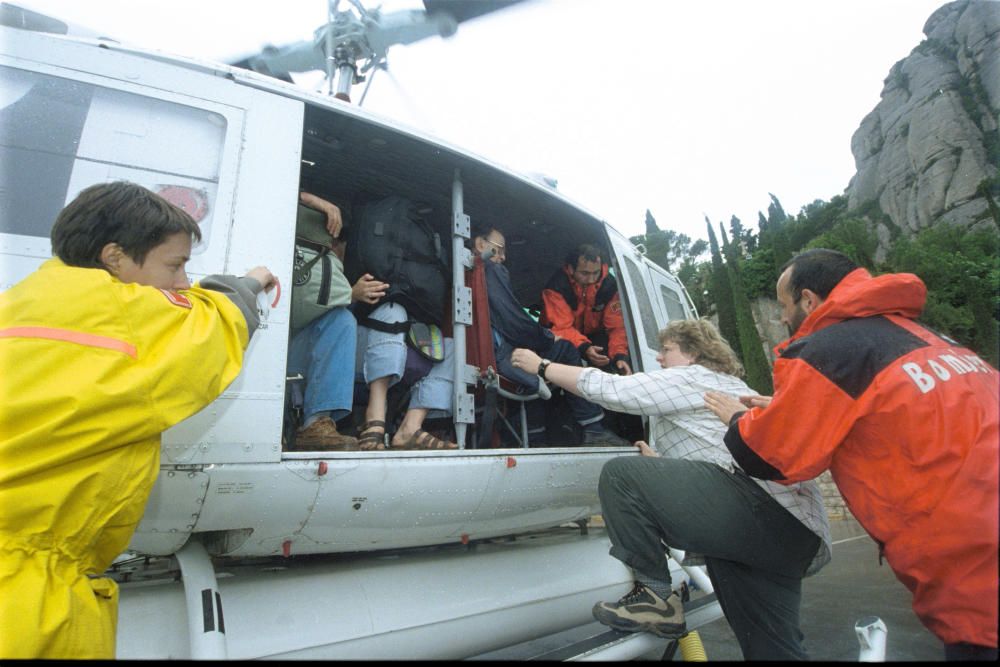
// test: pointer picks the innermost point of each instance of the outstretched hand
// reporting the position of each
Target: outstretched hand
(526, 360)
(723, 405)
(756, 401)
(262, 275)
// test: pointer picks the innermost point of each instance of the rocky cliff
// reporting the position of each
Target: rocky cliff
(930, 150)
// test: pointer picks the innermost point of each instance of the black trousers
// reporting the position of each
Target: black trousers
(756, 552)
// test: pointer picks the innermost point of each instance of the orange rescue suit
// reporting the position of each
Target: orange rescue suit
(94, 370)
(575, 312)
(906, 421)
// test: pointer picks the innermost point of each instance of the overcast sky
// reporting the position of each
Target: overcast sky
(685, 108)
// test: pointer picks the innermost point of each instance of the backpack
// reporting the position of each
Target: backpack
(318, 281)
(393, 242)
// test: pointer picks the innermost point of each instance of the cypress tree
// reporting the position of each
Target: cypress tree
(758, 371)
(651, 226)
(722, 293)
(777, 224)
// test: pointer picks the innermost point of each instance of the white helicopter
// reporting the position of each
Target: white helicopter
(378, 555)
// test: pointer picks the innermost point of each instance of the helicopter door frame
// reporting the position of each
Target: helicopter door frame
(464, 375)
(644, 313)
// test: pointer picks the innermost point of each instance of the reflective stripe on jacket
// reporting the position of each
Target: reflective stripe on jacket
(94, 370)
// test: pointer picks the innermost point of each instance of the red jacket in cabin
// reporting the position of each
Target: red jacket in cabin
(577, 312)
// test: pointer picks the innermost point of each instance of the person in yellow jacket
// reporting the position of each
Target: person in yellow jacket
(101, 350)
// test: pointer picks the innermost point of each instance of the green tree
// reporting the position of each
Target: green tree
(961, 269)
(758, 274)
(758, 371)
(668, 248)
(721, 293)
(697, 280)
(743, 238)
(852, 237)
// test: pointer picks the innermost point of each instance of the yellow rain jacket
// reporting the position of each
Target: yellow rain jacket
(93, 370)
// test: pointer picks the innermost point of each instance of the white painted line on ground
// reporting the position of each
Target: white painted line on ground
(848, 539)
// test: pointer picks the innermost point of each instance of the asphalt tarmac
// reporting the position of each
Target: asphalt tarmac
(852, 586)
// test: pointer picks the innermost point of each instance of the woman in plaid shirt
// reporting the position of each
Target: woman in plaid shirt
(758, 538)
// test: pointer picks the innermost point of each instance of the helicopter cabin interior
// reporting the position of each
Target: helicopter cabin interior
(352, 162)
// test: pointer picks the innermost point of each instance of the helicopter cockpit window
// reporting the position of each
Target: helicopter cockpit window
(58, 136)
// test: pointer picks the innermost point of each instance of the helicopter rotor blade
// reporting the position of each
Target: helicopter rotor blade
(369, 38)
(279, 61)
(465, 10)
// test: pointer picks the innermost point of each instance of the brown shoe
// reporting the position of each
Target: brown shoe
(322, 435)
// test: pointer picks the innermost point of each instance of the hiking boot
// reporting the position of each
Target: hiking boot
(322, 435)
(603, 438)
(642, 610)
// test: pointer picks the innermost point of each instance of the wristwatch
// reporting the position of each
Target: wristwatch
(542, 366)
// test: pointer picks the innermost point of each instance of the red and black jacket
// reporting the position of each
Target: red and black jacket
(906, 420)
(576, 312)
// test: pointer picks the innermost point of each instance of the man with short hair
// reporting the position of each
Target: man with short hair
(907, 422)
(582, 305)
(513, 328)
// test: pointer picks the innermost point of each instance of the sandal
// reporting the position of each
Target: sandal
(370, 439)
(421, 439)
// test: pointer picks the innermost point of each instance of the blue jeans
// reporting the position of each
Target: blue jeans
(323, 352)
(561, 352)
(381, 354)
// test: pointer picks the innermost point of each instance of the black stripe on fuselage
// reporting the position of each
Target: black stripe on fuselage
(852, 353)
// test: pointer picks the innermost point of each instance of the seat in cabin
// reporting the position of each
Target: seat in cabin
(480, 352)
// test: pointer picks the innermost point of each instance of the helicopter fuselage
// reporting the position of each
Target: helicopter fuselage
(234, 148)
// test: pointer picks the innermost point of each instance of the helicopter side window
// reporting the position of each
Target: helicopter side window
(646, 315)
(65, 135)
(672, 302)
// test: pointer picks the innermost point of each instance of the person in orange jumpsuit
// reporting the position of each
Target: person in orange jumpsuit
(102, 349)
(905, 419)
(581, 304)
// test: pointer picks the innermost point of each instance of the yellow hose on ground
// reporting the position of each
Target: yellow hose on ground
(691, 648)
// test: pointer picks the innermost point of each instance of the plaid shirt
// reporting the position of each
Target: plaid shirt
(685, 429)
